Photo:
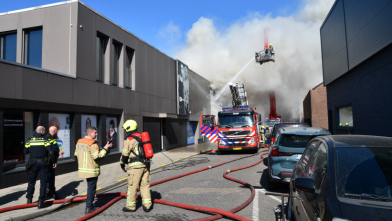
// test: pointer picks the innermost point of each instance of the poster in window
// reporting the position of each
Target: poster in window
(62, 122)
(182, 89)
(111, 131)
(88, 120)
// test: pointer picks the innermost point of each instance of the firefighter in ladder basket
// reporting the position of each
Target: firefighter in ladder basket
(137, 153)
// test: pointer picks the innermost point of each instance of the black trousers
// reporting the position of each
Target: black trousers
(51, 179)
(91, 189)
(41, 169)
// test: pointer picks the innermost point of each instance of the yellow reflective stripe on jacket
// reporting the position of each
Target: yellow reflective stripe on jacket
(134, 164)
(38, 143)
(84, 170)
(94, 154)
(85, 160)
(125, 151)
(103, 152)
(27, 145)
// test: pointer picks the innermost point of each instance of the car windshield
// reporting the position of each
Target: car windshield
(289, 140)
(364, 171)
(240, 120)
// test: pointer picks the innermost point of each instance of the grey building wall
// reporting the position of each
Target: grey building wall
(66, 83)
(59, 37)
(353, 31)
(199, 101)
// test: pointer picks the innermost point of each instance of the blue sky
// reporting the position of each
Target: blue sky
(164, 24)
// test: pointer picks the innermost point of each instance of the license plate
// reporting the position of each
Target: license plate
(298, 156)
(237, 148)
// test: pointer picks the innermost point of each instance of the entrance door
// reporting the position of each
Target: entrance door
(153, 127)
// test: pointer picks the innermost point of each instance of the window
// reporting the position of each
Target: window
(88, 120)
(128, 68)
(317, 166)
(62, 122)
(100, 55)
(18, 127)
(115, 62)
(8, 46)
(289, 140)
(33, 47)
(308, 152)
(345, 116)
(111, 131)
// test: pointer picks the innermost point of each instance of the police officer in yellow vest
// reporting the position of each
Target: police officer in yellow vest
(138, 172)
(88, 153)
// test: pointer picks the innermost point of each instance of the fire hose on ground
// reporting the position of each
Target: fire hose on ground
(220, 213)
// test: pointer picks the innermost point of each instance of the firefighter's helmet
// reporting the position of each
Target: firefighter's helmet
(130, 125)
(262, 127)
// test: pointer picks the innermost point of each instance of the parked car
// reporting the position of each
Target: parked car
(287, 149)
(343, 177)
(276, 128)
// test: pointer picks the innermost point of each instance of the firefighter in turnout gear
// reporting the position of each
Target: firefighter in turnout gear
(138, 170)
(88, 154)
(262, 132)
(40, 152)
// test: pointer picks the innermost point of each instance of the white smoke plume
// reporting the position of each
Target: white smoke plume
(218, 55)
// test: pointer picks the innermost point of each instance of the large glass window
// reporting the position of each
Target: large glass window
(346, 116)
(101, 42)
(18, 127)
(88, 120)
(115, 63)
(62, 122)
(8, 46)
(112, 131)
(33, 47)
(128, 68)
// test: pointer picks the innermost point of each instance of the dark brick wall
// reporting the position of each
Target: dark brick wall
(319, 109)
(368, 89)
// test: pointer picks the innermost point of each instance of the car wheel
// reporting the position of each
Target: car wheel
(290, 211)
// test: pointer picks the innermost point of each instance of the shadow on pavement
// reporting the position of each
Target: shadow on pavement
(12, 197)
(279, 188)
(69, 189)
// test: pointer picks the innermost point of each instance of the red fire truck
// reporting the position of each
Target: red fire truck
(238, 127)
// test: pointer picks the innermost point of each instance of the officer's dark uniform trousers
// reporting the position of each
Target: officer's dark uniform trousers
(38, 149)
(52, 141)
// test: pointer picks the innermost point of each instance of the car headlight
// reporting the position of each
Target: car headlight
(221, 143)
(252, 142)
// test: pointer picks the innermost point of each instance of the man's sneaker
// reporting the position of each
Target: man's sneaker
(29, 200)
(125, 209)
(146, 210)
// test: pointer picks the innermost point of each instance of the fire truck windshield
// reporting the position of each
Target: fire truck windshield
(235, 120)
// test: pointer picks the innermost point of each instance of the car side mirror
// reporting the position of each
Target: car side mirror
(305, 184)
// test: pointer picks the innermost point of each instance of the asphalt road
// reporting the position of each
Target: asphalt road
(208, 189)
